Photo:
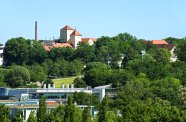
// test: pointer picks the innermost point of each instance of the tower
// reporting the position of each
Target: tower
(36, 31)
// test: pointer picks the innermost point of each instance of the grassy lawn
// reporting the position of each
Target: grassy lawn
(59, 81)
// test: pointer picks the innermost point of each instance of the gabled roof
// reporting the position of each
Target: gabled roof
(76, 33)
(68, 28)
(94, 39)
(85, 40)
(156, 42)
(57, 45)
(47, 48)
(61, 45)
(166, 46)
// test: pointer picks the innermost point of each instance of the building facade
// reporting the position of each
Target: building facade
(1, 55)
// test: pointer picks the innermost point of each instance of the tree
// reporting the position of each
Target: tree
(180, 51)
(32, 117)
(85, 53)
(69, 111)
(16, 51)
(19, 116)
(82, 98)
(57, 115)
(125, 37)
(86, 117)
(160, 55)
(37, 53)
(119, 77)
(37, 73)
(4, 113)
(17, 76)
(167, 89)
(136, 102)
(2, 77)
(79, 83)
(96, 74)
(61, 53)
(103, 110)
(42, 111)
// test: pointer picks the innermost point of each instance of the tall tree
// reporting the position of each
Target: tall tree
(86, 117)
(102, 115)
(96, 74)
(37, 53)
(181, 51)
(42, 111)
(32, 117)
(37, 73)
(4, 113)
(69, 111)
(16, 51)
(85, 53)
(17, 76)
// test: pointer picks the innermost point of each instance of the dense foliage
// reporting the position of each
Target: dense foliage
(150, 86)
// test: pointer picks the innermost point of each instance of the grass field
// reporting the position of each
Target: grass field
(59, 81)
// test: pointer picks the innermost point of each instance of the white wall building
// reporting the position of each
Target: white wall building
(65, 33)
(1, 54)
(72, 36)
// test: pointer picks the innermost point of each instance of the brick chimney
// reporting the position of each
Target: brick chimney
(36, 31)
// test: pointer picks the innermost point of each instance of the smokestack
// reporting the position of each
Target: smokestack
(35, 30)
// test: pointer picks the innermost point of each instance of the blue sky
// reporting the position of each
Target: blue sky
(147, 19)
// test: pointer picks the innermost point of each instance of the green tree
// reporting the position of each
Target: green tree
(19, 116)
(47, 66)
(180, 51)
(161, 55)
(69, 111)
(37, 53)
(79, 83)
(96, 74)
(82, 98)
(103, 110)
(167, 89)
(4, 113)
(16, 51)
(85, 53)
(17, 76)
(32, 117)
(57, 115)
(42, 111)
(125, 37)
(37, 73)
(2, 77)
(86, 117)
(61, 53)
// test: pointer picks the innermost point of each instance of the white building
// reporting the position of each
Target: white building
(1, 54)
(72, 36)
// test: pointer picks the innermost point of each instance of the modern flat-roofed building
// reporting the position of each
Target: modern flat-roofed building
(27, 99)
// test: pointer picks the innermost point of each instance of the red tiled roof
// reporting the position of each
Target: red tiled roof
(61, 45)
(166, 46)
(68, 28)
(156, 42)
(47, 48)
(76, 33)
(85, 40)
(52, 103)
(57, 45)
(94, 39)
